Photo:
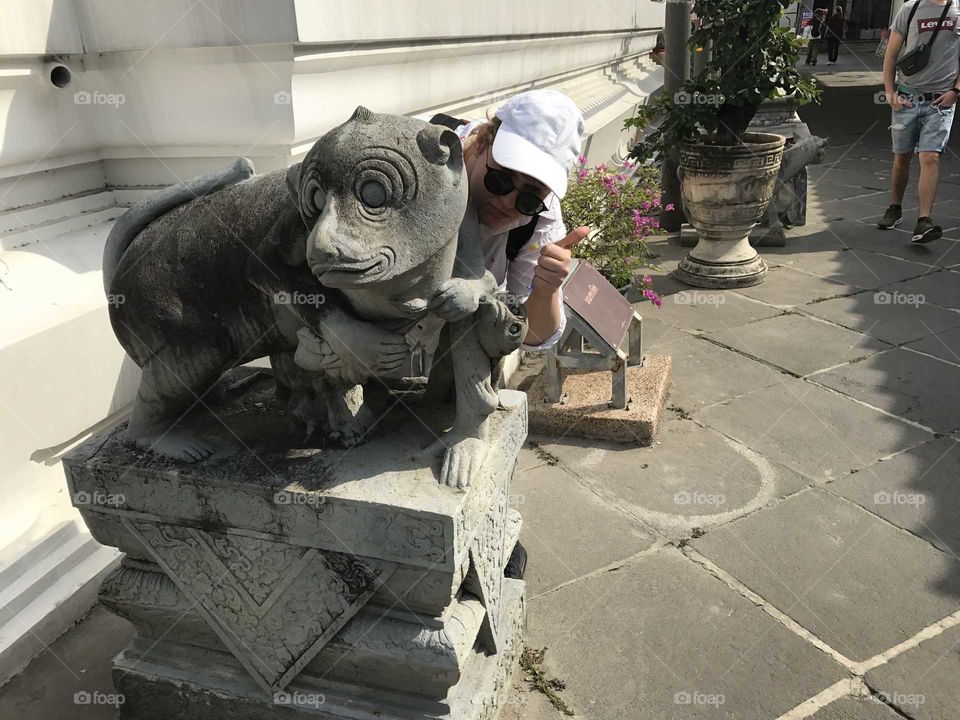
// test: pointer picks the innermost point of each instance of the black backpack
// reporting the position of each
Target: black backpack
(519, 236)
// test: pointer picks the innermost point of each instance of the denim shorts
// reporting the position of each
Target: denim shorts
(921, 128)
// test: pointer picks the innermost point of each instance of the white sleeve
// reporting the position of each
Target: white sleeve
(519, 280)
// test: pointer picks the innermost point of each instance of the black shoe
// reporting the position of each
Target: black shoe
(926, 231)
(517, 564)
(891, 218)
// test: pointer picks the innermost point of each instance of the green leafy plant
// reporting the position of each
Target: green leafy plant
(752, 59)
(622, 207)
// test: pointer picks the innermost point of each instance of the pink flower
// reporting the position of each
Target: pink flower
(647, 205)
(581, 174)
(652, 297)
(647, 280)
(669, 207)
(582, 160)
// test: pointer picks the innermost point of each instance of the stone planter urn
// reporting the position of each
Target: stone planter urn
(726, 190)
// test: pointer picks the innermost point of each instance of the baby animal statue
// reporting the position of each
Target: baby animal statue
(351, 248)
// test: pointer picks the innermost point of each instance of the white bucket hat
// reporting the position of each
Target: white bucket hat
(540, 135)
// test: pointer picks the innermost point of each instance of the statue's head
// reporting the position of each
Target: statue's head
(381, 195)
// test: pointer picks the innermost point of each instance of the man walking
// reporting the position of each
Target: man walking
(922, 103)
(836, 26)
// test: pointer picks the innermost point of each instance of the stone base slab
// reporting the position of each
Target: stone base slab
(160, 681)
(584, 409)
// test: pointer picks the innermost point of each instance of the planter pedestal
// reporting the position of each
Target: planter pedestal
(726, 190)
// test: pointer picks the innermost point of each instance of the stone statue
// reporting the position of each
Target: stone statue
(806, 150)
(341, 254)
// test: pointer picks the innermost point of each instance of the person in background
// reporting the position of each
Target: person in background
(922, 105)
(816, 31)
(836, 27)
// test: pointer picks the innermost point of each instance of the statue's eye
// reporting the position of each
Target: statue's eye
(314, 198)
(373, 194)
(319, 200)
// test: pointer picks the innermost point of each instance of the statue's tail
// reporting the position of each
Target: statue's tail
(134, 220)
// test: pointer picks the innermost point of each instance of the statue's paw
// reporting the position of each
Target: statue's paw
(462, 460)
(352, 431)
(177, 446)
(456, 299)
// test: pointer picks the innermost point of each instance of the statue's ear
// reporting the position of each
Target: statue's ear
(441, 146)
(293, 182)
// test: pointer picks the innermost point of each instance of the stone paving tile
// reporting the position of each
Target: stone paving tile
(77, 662)
(567, 530)
(904, 383)
(810, 429)
(785, 287)
(691, 477)
(658, 334)
(700, 310)
(848, 708)
(858, 267)
(922, 682)
(797, 343)
(875, 314)
(944, 345)
(852, 579)
(809, 238)
(915, 490)
(940, 288)
(662, 638)
(704, 373)
(896, 242)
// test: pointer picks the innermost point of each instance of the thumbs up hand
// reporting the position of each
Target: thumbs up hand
(553, 266)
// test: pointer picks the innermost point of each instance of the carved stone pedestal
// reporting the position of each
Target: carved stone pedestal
(326, 583)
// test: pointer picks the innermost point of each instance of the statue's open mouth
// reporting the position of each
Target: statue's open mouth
(348, 271)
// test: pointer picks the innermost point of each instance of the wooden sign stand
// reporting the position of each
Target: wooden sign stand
(598, 315)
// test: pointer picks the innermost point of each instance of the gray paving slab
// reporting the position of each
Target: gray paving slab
(810, 429)
(78, 662)
(785, 287)
(904, 383)
(876, 314)
(940, 288)
(568, 530)
(692, 477)
(662, 638)
(848, 708)
(922, 682)
(658, 334)
(944, 345)
(852, 579)
(704, 373)
(896, 242)
(812, 237)
(915, 490)
(798, 343)
(859, 267)
(700, 310)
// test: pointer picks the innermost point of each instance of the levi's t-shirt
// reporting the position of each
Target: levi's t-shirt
(940, 74)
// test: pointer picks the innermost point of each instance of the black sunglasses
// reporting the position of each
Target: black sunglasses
(500, 182)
